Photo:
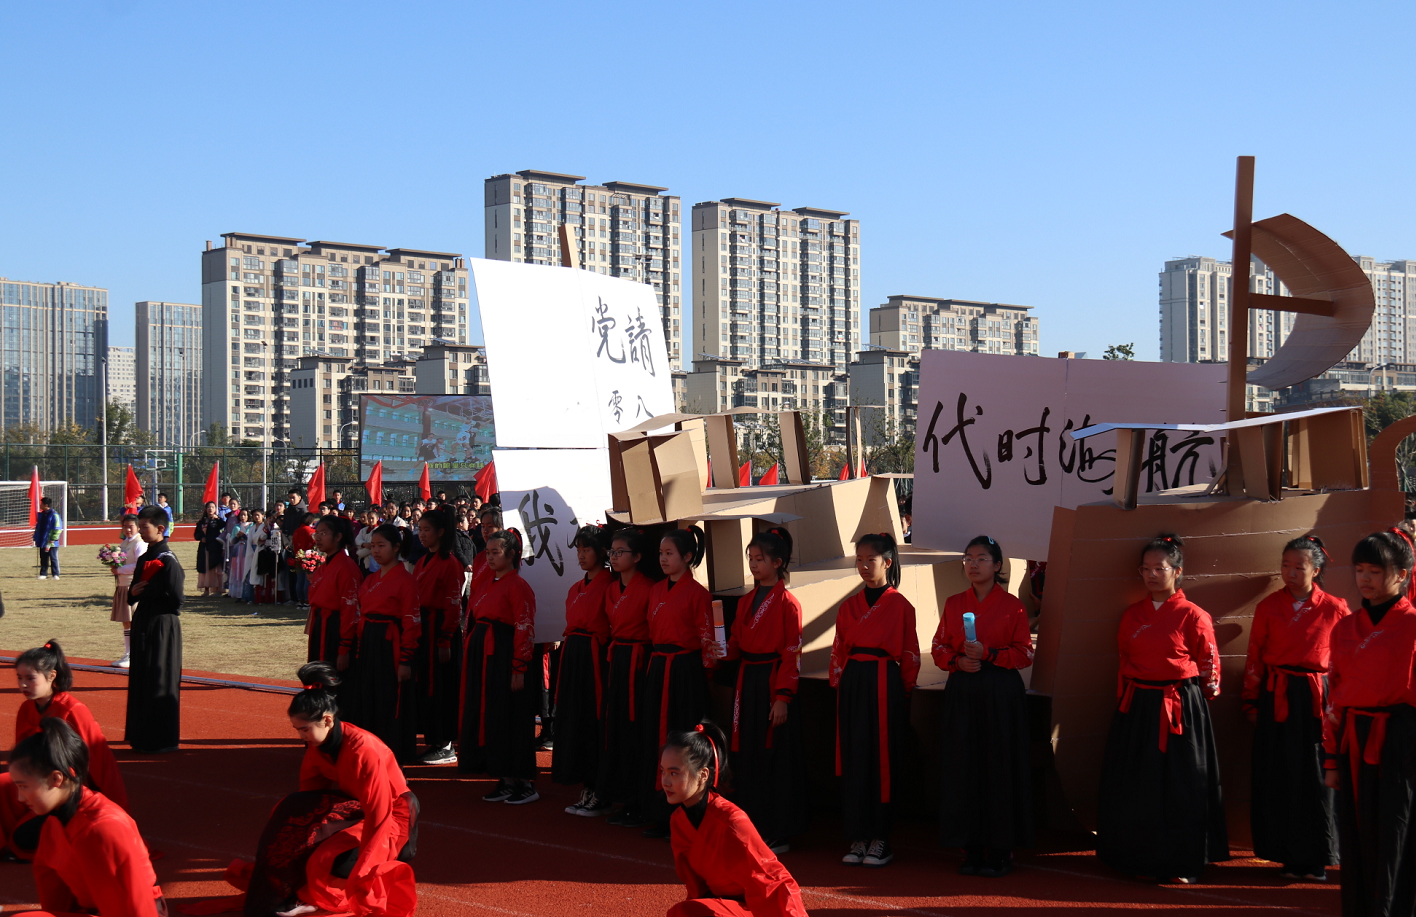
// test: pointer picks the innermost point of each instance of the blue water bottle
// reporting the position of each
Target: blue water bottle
(969, 633)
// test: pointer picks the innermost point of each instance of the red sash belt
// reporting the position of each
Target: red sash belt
(489, 648)
(882, 668)
(595, 656)
(667, 651)
(748, 659)
(1278, 684)
(393, 634)
(1171, 722)
(635, 656)
(1376, 739)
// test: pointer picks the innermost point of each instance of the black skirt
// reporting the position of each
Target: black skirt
(154, 683)
(985, 793)
(685, 680)
(580, 689)
(498, 735)
(1291, 811)
(1374, 823)
(324, 641)
(768, 765)
(620, 725)
(384, 705)
(866, 807)
(1161, 814)
(324, 646)
(437, 683)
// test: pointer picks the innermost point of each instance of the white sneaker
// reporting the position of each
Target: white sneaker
(856, 855)
(298, 910)
(42, 576)
(56, 576)
(122, 663)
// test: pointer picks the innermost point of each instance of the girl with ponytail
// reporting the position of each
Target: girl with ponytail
(45, 679)
(718, 854)
(684, 646)
(580, 683)
(334, 594)
(627, 608)
(766, 744)
(499, 701)
(437, 673)
(90, 857)
(874, 666)
(1285, 687)
(385, 700)
(343, 842)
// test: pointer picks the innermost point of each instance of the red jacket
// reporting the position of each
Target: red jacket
(334, 590)
(628, 608)
(1000, 624)
(97, 862)
(585, 606)
(103, 767)
(303, 539)
(1370, 666)
(1169, 643)
(889, 625)
(682, 616)
(774, 628)
(1294, 638)
(440, 579)
(393, 593)
(724, 857)
(509, 600)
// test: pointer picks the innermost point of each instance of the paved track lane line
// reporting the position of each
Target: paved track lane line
(1185, 889)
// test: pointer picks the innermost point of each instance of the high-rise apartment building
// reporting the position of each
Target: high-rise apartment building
(269, 300)
(774, 285)
(169, 372)
(123, 378)
(620, 228)
(1194, 311)
(53, 335)
(1392, 337)
(889, 379)
(914, 323)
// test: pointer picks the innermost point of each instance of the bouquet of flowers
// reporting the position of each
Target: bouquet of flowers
(111, 556)
(309, 560)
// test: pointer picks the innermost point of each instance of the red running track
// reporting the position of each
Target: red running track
(205, 805)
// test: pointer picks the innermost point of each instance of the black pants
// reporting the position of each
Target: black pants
(48, 560)
(985, 789)
(768, 761)
(1376, 804)
(498, 734)
(1291, 810)
(867, 810)
(154, 683)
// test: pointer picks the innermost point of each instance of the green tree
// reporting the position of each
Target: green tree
(1120, 352)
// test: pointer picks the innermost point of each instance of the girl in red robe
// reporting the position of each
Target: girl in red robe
(684, 646)
(489, 519)
(627, 608)
(722, 860)
(334, 603)
(389, 627)
(437, 673)
(45, 680)
(1369, 732)
(344, 841)
(498, 705)
(580, 683)
(874, 666)
(91, 859)
(1160, 814)
(985, 802)
(1290, 808)
(766, 746)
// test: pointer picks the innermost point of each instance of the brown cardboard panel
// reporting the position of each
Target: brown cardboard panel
(619, 490)
(1055, 593)
(1255, 462)
(1383, 453)
(880, 513)
(637, 459)
(722, 449)
(795, 462)
(1331, 449)
(678, 476)
(1129, 444)
(727, 553)
(698, 436)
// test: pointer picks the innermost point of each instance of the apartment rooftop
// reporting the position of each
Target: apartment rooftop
(539, 175)
(634, 187)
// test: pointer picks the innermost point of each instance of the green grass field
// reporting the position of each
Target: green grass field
(218, 635)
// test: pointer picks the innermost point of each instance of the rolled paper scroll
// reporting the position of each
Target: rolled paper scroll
(969, 633)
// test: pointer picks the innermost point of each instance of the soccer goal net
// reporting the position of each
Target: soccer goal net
(15, 528)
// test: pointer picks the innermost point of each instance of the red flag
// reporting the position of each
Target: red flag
(209, 495)
(845, 472)
(709, 483)
(34, 496)
(486, 481)
(374, 485)
(315, 488)
(745, 474)
(425, 486)
(771, 476)
(132, 490)
(863, 473)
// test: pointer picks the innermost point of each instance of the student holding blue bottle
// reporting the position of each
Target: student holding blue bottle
(982, 642)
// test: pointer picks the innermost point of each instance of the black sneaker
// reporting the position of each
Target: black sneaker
(632, 820)
(575, 807)
(590, 807)
(501, 793)
(524, 794)
(444, 755)
(617, 818)
(657, 831)
(878, 854)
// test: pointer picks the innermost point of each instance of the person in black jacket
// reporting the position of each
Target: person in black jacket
(155, 672)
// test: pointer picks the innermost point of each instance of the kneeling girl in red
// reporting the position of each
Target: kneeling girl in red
(389, 627)
(718, 854)
(91, 859)
(45, 679)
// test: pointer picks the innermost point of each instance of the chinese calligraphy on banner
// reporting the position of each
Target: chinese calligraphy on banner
(992, 454)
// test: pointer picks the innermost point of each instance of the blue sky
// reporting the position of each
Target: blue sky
(1047, 154)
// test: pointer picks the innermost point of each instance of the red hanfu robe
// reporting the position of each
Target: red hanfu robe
(1000, 624)
(334, 594)
(509, 600)
(1371, 666)
(679, 617)
(368, 771)
(773, 630)
(586, 615)
(440, 579)
(97, 863)
(627, 608)
(727, 868)
(1170, 643)
(481, 575)
(1282, 640)
(393, 596)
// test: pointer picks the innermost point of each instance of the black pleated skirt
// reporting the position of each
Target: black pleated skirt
(620, 726)
(580, 688)
(154, 684)
(686, 682)
(768, 780)
(1161, 814)
(866, 814)
(385, 706)
(324, 641)
(1291, 811)
(985, 794)
(498, 734)
(438, 683)
(324, 646)
(1375, 823)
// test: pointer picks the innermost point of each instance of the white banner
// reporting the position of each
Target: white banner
(992, 452)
